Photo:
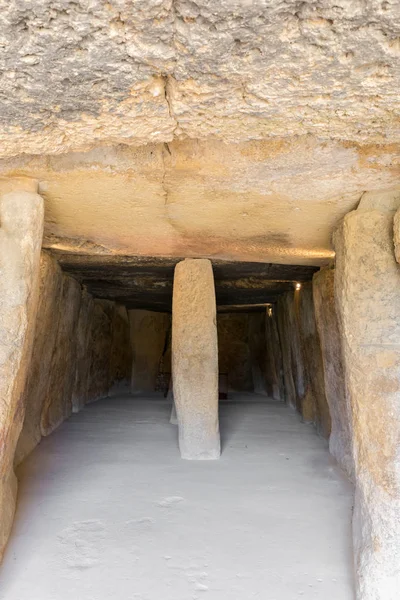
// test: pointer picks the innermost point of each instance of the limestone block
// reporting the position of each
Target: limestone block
(195, 359)
(46, 327)
(21, 230)
(100, 345)
(83, 352)
(340, 444)
(367, 291)
(57, 403)
(149, 331)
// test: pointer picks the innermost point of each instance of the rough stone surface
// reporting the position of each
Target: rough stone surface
(340, 442)
(21, 229)
(57, 402)
(273, 357)
(367, 290)
(149, 332)
(314, 394)
(274, 200)
(126, 72)
(121, 354)
(46, 327)
(80, 390)
(303, 372)
(292, 359)
(257, 346)
(100, 345)
(195, 359)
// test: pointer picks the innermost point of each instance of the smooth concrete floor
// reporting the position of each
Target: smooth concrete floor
(108, 510)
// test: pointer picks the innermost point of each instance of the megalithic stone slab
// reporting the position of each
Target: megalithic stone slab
(21, 232)
(195, 359)
(367, 291)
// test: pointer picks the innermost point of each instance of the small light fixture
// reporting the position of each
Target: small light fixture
(298, 286)
(269, 311)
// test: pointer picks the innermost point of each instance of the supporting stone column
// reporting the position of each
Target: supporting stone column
(21, 230)
(195, 359)
(367, 289)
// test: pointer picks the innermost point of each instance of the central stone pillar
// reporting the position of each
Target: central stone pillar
(367, 289)
(195, 359)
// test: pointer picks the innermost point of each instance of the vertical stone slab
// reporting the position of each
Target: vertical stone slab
(100, 346)
(21, 231)
(367, 290)
(121, 353)
(149, 332)
(195, 359)
(273, 356)
(256, 336)
(83, 352)
(314, 382)
(46, 327)
(57, 404)
(340, 445)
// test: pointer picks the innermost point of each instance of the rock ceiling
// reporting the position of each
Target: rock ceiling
(239, 130)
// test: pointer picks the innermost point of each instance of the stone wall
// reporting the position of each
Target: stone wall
(150, 339)
(249, 353)
(81, 348)
(21, 230)
(332, 355)
(234, 358)
(302, 358)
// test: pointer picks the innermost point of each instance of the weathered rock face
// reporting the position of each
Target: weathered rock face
(257, 344)
(46, 328)
(292, 362)
(273, 357)
(134, 72)
(149, 337)
(81, 348)
(195, 359)
(83, 352)
(121, 351)
(340, 442)
(21, 229)
(367, 289)
(313, 364)
(101, 336)
(302, 359)
(57, 404)
(273, 200)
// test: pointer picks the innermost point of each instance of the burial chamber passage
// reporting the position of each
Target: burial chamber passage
(78, 326)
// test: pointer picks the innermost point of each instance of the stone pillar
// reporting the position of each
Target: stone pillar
(367, 289)
(195, 359)
(340, 444)
(21, 231)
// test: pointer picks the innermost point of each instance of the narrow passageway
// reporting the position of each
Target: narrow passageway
(108, 510)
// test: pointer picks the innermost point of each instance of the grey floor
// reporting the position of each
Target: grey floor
(108, 510)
